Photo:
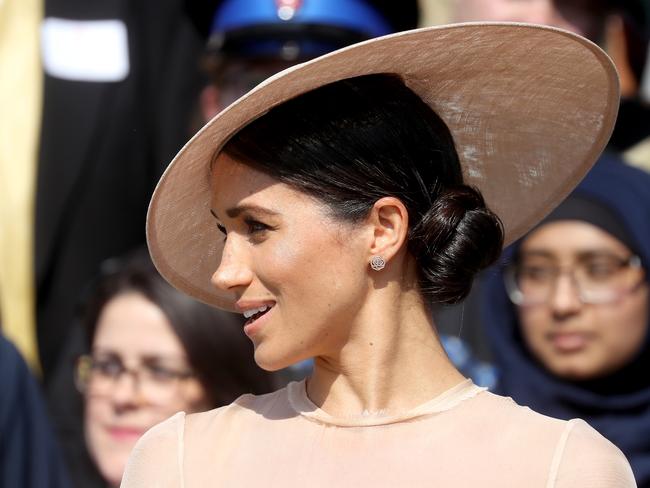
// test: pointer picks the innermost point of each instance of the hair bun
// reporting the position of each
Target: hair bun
(455, 239)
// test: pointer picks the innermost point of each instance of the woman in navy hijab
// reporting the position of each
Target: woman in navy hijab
(567, 312)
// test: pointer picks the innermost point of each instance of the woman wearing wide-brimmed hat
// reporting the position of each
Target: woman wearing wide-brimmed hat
(334, 204)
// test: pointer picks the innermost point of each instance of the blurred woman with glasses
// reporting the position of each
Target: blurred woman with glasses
(568, 315)
(154, 352)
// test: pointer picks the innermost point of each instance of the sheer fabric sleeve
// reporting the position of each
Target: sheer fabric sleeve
(584, 458)
(157, 459)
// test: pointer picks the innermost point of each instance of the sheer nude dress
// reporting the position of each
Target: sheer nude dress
(465, 437)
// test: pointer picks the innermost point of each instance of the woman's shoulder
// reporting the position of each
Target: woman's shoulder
(159, 457)
(572, 452)
(246, 408)
(262, 404)
(586, 458)
(156, 459)
(507, 415)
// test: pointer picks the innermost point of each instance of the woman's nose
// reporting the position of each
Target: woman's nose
(126, 391)
(565, 298)
(233, 271)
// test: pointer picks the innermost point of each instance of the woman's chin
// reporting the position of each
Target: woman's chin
(272, 361)
(112, 472)
(272, 365)
(576, 371)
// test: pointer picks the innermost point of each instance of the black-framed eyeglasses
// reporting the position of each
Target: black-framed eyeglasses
(98, 376)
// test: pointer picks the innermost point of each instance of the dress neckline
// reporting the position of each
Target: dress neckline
(300, 402)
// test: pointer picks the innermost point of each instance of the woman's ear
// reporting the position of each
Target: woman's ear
(389, 219)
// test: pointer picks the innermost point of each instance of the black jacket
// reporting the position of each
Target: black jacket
(103, 146)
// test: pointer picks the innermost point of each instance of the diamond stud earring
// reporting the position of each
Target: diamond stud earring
(377, 263)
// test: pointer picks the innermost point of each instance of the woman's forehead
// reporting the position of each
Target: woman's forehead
(225, 166)
(133, 324)
(232, 179)
(571, 237)
(237, 187)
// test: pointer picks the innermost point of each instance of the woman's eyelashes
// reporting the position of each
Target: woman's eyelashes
(223, 230)
(254, 229)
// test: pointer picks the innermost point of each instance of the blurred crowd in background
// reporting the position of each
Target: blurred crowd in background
(96, 97)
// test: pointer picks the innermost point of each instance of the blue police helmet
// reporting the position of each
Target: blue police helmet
(292, 29)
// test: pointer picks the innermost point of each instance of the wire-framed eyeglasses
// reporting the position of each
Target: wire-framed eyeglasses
(597, 279)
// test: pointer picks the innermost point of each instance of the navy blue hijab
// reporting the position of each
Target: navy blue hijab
(617, 406)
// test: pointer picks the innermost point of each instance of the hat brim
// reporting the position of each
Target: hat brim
(530, 109)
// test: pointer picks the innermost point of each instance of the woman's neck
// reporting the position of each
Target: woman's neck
(392, 362)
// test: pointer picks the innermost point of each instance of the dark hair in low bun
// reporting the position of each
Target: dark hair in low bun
(454, 240)
(355, 141)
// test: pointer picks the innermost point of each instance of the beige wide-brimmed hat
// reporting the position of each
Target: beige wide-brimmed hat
(530, 109)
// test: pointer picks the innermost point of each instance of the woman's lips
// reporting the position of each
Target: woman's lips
(255, 323)
(569, 341)
(125, 433)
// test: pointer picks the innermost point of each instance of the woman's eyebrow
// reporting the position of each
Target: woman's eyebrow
(598, 253)
(168, 358)
(581, 254)
(236, 211)
(104, 351)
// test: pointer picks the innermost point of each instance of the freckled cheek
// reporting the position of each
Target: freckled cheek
(291, 260)
(282, 261)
